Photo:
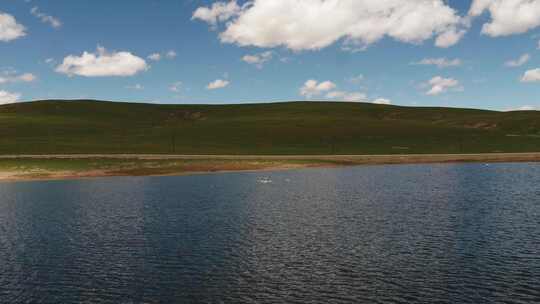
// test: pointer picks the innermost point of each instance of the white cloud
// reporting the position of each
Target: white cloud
(8, 97)
(531, 76)
(102, 64)
(12, 77)
(441, 85)
(439, 62)
(258, 60)
(356, 79)
(507, 16)
(27, 77)
(176, 87)
(450, 37)
(526, 108)
(316, 24)
(355, 97)
(170, 54)
(538, 47)
(157, 56)
(382, 101)
(218, 12)
(336, 94)
(347, 96)
(518, 62)
(54, 22)
(217, 84)
(312, 88)
(154, 57)
(523, 108)
(137, 87)
(9, 28)
(285, 59)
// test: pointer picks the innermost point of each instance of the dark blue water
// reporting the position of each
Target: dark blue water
(466, 233)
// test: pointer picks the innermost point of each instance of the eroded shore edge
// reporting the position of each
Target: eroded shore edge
(144, 165)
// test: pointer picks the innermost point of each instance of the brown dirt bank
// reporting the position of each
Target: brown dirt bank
(37, 167)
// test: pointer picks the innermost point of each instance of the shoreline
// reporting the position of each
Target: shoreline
(14, 168)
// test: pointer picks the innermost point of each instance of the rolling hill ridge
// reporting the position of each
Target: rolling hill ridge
(301, 128)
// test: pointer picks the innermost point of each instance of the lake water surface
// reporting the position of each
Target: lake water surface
(452, 233)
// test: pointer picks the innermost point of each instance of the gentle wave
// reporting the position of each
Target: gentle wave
(456, 233)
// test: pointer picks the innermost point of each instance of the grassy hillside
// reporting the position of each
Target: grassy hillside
(55, 127)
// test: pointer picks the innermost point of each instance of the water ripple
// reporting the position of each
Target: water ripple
(384, 234)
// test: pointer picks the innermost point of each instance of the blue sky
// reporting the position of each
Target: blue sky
(419, 52)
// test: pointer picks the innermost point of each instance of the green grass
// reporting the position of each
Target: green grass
(72, 127)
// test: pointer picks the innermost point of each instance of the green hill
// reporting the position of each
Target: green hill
(56, 127)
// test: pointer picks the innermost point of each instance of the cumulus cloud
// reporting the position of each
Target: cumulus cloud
(518, 62)
(158, 56)
(439, 62)
(102, 64)
(176, 87)
(137, 87)
(526, 108)
(217, 84)
(382, 101)
(218, 12)
(8, 97)
(347, 96)
(258, 60)
(507, 16)
(170, 54)
(12, 77)
(27, 77)
(312, 88)
(531, 76)
(54, 22)
(316, 24)
(155, 57)
(450, 37)
(9, 28)
(439, 85)
(356, 79)
(355, 97)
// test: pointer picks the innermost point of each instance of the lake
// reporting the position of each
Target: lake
(447, 233)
